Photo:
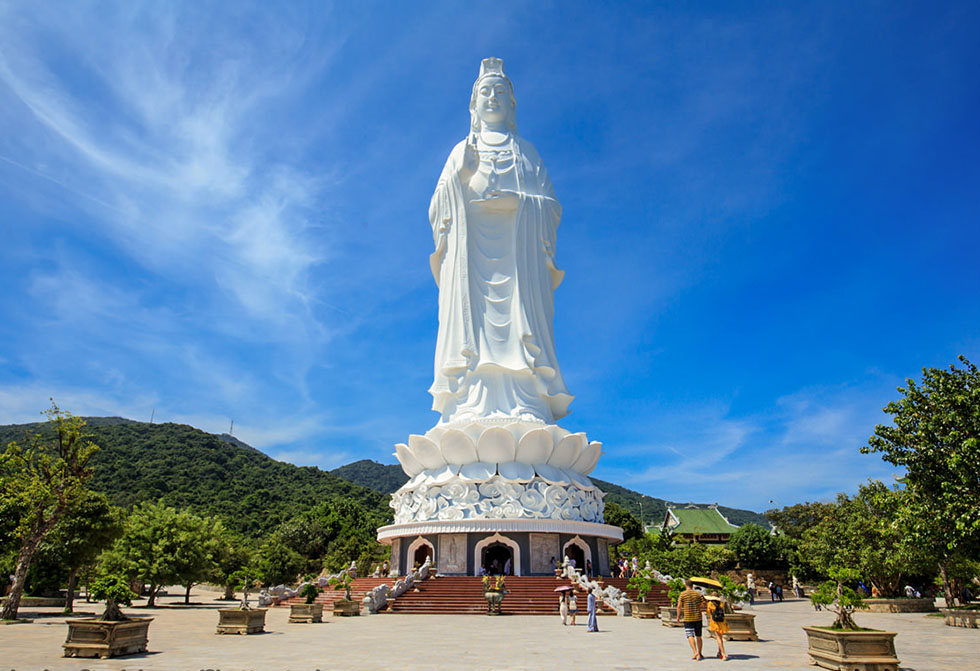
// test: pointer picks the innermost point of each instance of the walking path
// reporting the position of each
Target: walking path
(183, 639)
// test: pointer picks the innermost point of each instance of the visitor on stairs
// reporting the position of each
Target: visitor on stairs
(593, 624)
(507, 566)
(588, 568)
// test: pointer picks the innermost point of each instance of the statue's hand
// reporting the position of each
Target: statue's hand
(470, 164)
(500, 201)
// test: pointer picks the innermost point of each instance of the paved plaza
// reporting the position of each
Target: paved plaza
(182, 638)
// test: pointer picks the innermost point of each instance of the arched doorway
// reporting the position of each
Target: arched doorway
(422, 553)
(417, 552)
(496, 558)
(497, 538)
(574, 552)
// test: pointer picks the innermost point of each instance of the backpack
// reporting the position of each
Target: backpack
(718, 613)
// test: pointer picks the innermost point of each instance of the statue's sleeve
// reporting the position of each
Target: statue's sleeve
(441, 209)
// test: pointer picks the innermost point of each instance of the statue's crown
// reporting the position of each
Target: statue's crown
(491, 66)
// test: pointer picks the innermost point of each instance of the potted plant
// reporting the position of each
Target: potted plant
(308, 611)
(112, 633)
(643, 582)
(668, 614)
(345, 607)
(844, 645)
(741, 625)
(243, 620)
(494, 589)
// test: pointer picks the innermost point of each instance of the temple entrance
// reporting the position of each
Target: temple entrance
(421, 553)
(574, 552)
(496, 558)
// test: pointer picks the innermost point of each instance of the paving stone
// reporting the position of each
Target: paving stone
(183, 639)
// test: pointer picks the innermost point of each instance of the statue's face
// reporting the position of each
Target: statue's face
(494, 104)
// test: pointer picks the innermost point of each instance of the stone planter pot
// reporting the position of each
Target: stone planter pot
(852, 650)
(90, 637)
(899, 605)
(305, 613)
(345, 608)
(954, 617)
(668, 617)
(644, 609)
(494, 599)
(239, 621)
(741, 627)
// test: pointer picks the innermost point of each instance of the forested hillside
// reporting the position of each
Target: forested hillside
(387, 478)
(185, 467)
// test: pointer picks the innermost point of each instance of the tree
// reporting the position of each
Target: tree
(81, 535)
(618, 516)
(866, 533)
(43, 480)
(232, 553)
(794, 520)
(161, 546)
(936, 439)
(754, 547)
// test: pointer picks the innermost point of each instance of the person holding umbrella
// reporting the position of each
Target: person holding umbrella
(563, 592)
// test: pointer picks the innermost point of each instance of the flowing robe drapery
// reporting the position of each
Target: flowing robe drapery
(487, 365)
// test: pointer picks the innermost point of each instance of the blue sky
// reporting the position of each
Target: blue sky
(219, 211)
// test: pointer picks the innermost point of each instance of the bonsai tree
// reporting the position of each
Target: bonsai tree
(243, 579)
(676, 586)
(732, 592)
(115, 590)
(839, 598)
(342, 582)
(643, 582)
(309, 592)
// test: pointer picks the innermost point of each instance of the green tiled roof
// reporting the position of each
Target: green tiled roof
(699, 521)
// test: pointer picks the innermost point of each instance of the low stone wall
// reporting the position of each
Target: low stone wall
(39, 601)
(899, 605)
(956, 617)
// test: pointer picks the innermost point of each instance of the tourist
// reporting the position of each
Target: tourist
(689, 614)
(588, 568)
(797, 589)
(384, 568)
(572, 606)
(507, 566)
(772, 591)
(716, 622)
(593, 624)
(554, 568)
(750, 585)
(563, 607)
(635, 567)
(779, 592)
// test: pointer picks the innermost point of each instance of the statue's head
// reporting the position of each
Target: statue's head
(493, 97)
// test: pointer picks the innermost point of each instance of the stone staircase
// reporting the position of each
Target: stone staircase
(526, 595)
(463, 595)
(358, 588)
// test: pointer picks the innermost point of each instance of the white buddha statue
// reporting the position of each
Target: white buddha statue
(494, 217)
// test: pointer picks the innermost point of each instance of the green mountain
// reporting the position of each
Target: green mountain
(382, 478)
(387, 478)
(220, 475)
(214, 475)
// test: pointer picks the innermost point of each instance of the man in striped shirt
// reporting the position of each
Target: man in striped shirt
(689, 605)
